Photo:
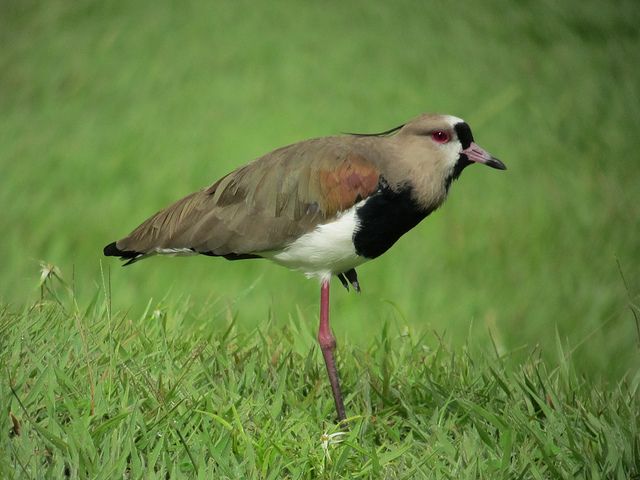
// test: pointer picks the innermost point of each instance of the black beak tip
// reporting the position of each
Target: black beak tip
(497, 164)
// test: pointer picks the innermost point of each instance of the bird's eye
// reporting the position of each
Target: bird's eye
(440, 136)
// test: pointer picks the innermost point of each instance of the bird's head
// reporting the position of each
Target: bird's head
(444, 145)
(428, 152)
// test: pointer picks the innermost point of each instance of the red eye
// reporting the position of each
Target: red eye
(440, 136)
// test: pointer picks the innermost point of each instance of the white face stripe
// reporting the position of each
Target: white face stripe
(325, 251)
(454, 120)
(454, 148)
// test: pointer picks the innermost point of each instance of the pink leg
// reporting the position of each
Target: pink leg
(327, 345)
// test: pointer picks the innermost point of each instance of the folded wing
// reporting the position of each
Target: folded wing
(262, 206)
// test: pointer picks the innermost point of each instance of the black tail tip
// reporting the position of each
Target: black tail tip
(131, 256)
(112, 251)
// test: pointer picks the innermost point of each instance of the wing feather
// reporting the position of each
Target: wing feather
(264, 205)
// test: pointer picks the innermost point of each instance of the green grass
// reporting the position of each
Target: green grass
(111, 110)
(99, 395)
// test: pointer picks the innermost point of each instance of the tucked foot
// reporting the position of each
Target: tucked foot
(350, 276)
(343, 280)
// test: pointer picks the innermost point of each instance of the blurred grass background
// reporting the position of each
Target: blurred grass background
(111, 110)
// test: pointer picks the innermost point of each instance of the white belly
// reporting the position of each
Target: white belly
(325, 251)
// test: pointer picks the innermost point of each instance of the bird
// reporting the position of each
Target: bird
(322, 206)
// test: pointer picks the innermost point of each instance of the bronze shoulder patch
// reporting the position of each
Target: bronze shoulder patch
(354, 179)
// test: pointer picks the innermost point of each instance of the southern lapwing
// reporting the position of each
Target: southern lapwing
(323, 206)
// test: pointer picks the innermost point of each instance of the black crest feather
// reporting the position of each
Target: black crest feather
(380, 134)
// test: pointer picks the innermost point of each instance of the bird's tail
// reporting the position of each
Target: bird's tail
(130, 256)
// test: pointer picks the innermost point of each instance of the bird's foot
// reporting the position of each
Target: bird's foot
(350, 276)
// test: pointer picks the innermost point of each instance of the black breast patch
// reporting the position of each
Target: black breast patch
(384, 218)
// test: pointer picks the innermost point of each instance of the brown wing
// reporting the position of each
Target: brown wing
(264, 205)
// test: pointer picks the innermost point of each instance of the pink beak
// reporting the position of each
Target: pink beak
(475, 153)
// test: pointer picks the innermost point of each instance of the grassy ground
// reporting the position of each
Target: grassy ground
(167, 395)
(111, 110)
